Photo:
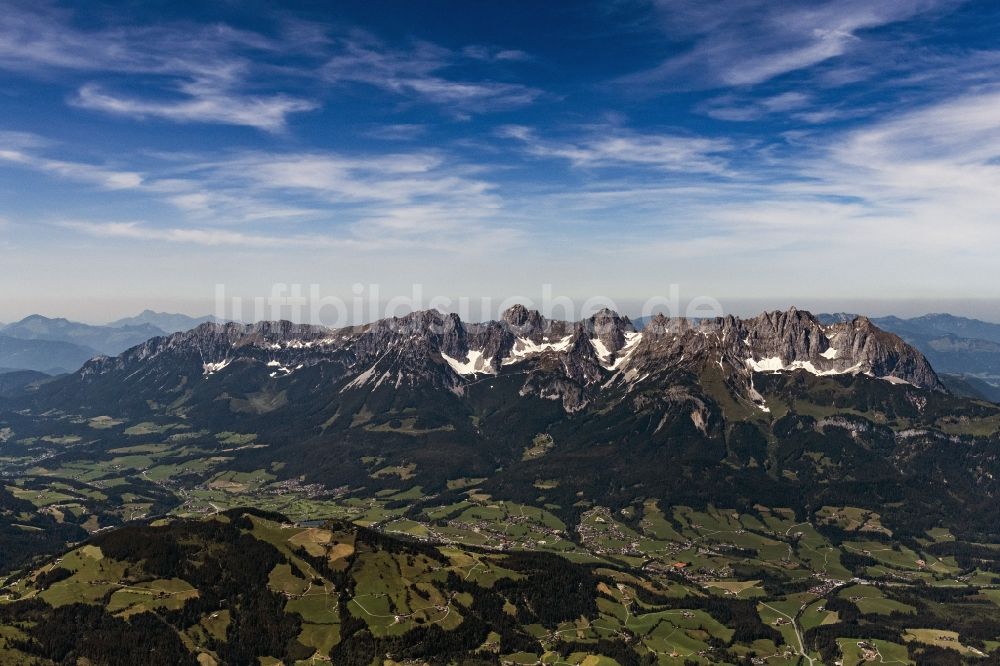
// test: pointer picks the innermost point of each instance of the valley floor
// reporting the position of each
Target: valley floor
(357, 570)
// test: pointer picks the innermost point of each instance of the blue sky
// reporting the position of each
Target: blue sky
(765, 150)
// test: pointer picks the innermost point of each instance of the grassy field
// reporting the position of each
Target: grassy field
(944, 639)
(870, 599)
(859, 651)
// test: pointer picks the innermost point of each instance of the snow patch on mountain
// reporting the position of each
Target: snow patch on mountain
(212, 368)
(475, 364)
(603, 353)
(525, 348)
(360, 380)
(775, 364)
(283, 371)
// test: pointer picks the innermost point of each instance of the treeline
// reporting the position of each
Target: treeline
(84, 633)
(433, 644)
(19, 546)
(963, 610)
(47, 579)
(968, 555)
(618, 650)
(738, 614)
(378, 541)
(552, 590)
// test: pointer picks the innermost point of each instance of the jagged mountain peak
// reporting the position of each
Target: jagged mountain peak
(609, 328)
(790, 335)
(423, 320)
(524, 323)
(423, 333)
(518, 315)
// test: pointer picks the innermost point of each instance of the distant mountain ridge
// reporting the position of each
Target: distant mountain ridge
(927, 325)
(166, 322)
(58, 346)
(48, 356)
(968, 386)
(947, 324)
(104, 339)
(13, 382)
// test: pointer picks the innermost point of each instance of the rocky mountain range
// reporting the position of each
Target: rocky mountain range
(966, 352)
(568, 362)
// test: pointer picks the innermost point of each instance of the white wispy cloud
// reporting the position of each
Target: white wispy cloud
(425, 197)
(41, 35)
(609, 146)
(923, 181)
(742, 108)
(208, 73)
(746, 42)
(397, 131)
(931, 174)
(421, 72)
(19, 149)
(907, 202)
(139, 231)
(794, 105)
(415, 199)
(202, 201)
(205, 70)
(202, 103)
(493, 54)
(195, 197)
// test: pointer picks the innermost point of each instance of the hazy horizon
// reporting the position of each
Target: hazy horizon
(985, 309)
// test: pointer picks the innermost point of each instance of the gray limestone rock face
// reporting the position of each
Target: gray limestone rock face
(565, 361)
